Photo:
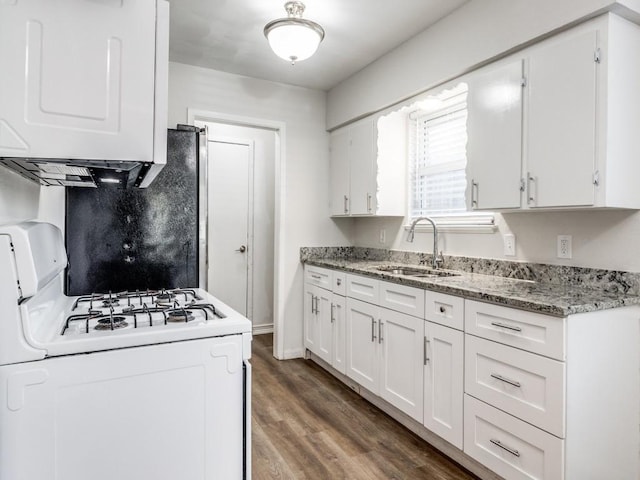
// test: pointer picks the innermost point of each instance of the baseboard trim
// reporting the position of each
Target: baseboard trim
(263, 329)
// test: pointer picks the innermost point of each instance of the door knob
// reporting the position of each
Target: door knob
(242, 249)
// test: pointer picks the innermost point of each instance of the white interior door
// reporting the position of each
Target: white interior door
(230, 220)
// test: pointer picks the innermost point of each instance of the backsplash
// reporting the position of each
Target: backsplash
(608, 280)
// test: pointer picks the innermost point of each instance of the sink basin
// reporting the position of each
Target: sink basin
(416, 271)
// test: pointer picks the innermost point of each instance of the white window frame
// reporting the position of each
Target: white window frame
(463, 222)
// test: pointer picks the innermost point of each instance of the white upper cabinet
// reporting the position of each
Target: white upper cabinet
(581, 128)
(568, 138)
(494, 137)
(340, 170)
(84, 79)
(365, 179)
(362, 156)
(561, 127)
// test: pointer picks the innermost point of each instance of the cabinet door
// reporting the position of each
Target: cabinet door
(339, 306)
(324, 325)
(494, 144)
(362, 158)
(89, 91)
(401, 369)
(443, 382)
(362, 338)
(562, 122)
(310, 318)
(340, 172)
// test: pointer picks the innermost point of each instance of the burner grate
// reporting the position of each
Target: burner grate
(137, 298)
(174, 313)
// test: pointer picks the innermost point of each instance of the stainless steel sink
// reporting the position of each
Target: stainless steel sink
(415, 271)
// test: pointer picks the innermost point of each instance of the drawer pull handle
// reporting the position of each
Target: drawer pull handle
(512, 451)
(442, 309)
(508, 327)
(506, 380)
(317, 277)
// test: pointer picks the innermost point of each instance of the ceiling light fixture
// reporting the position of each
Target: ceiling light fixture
(294, 38)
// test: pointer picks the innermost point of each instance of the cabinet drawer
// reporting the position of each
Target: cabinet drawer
(523, 384)
(363, 288)
(508, 446)
(529, 331)
(339, 283)
(409, 300)
(444, 309)
(318, 276)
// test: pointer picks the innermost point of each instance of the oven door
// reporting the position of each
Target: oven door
(162, 412)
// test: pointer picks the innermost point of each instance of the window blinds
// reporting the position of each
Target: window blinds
(438, 178)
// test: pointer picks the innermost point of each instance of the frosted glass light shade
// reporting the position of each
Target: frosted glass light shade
(294, 38)
(293, 41)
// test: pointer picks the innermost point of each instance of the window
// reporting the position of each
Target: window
(437, 160)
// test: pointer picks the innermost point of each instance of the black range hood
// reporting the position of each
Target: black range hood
(79, 173)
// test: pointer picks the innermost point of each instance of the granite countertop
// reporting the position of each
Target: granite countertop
(558, 299)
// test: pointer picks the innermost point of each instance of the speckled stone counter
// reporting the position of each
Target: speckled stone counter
(550, 289)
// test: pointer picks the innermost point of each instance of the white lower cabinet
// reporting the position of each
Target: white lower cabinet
(510, 447)
(415, 365)
(339, 332)
(527, 395)
(401, 351)
(521, 383)
(324, 317)
(317, 321)
(384, 354)
(443, 382)
(362, 350)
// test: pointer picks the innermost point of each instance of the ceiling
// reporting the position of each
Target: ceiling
(227, 35)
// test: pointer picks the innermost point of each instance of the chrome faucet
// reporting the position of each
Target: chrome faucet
(437, 259)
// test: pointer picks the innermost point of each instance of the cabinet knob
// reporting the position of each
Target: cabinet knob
(442, 309)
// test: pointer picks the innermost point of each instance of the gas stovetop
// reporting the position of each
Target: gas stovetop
(102, 314)
(39, 321)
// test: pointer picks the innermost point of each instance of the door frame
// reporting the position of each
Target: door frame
(194, 117)
(250, 144)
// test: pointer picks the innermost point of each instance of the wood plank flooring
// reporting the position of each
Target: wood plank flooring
(309, 425)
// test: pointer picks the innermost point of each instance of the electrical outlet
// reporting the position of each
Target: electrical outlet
(383, 236)
(564, 246)
(509, 245)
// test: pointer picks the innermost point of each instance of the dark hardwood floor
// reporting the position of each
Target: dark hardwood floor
(309, 425)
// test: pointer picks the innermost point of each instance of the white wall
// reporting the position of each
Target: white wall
(601, 239)
(471, 35)
(305, 179)
(19, 197)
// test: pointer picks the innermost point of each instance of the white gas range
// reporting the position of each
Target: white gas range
(127, 385)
